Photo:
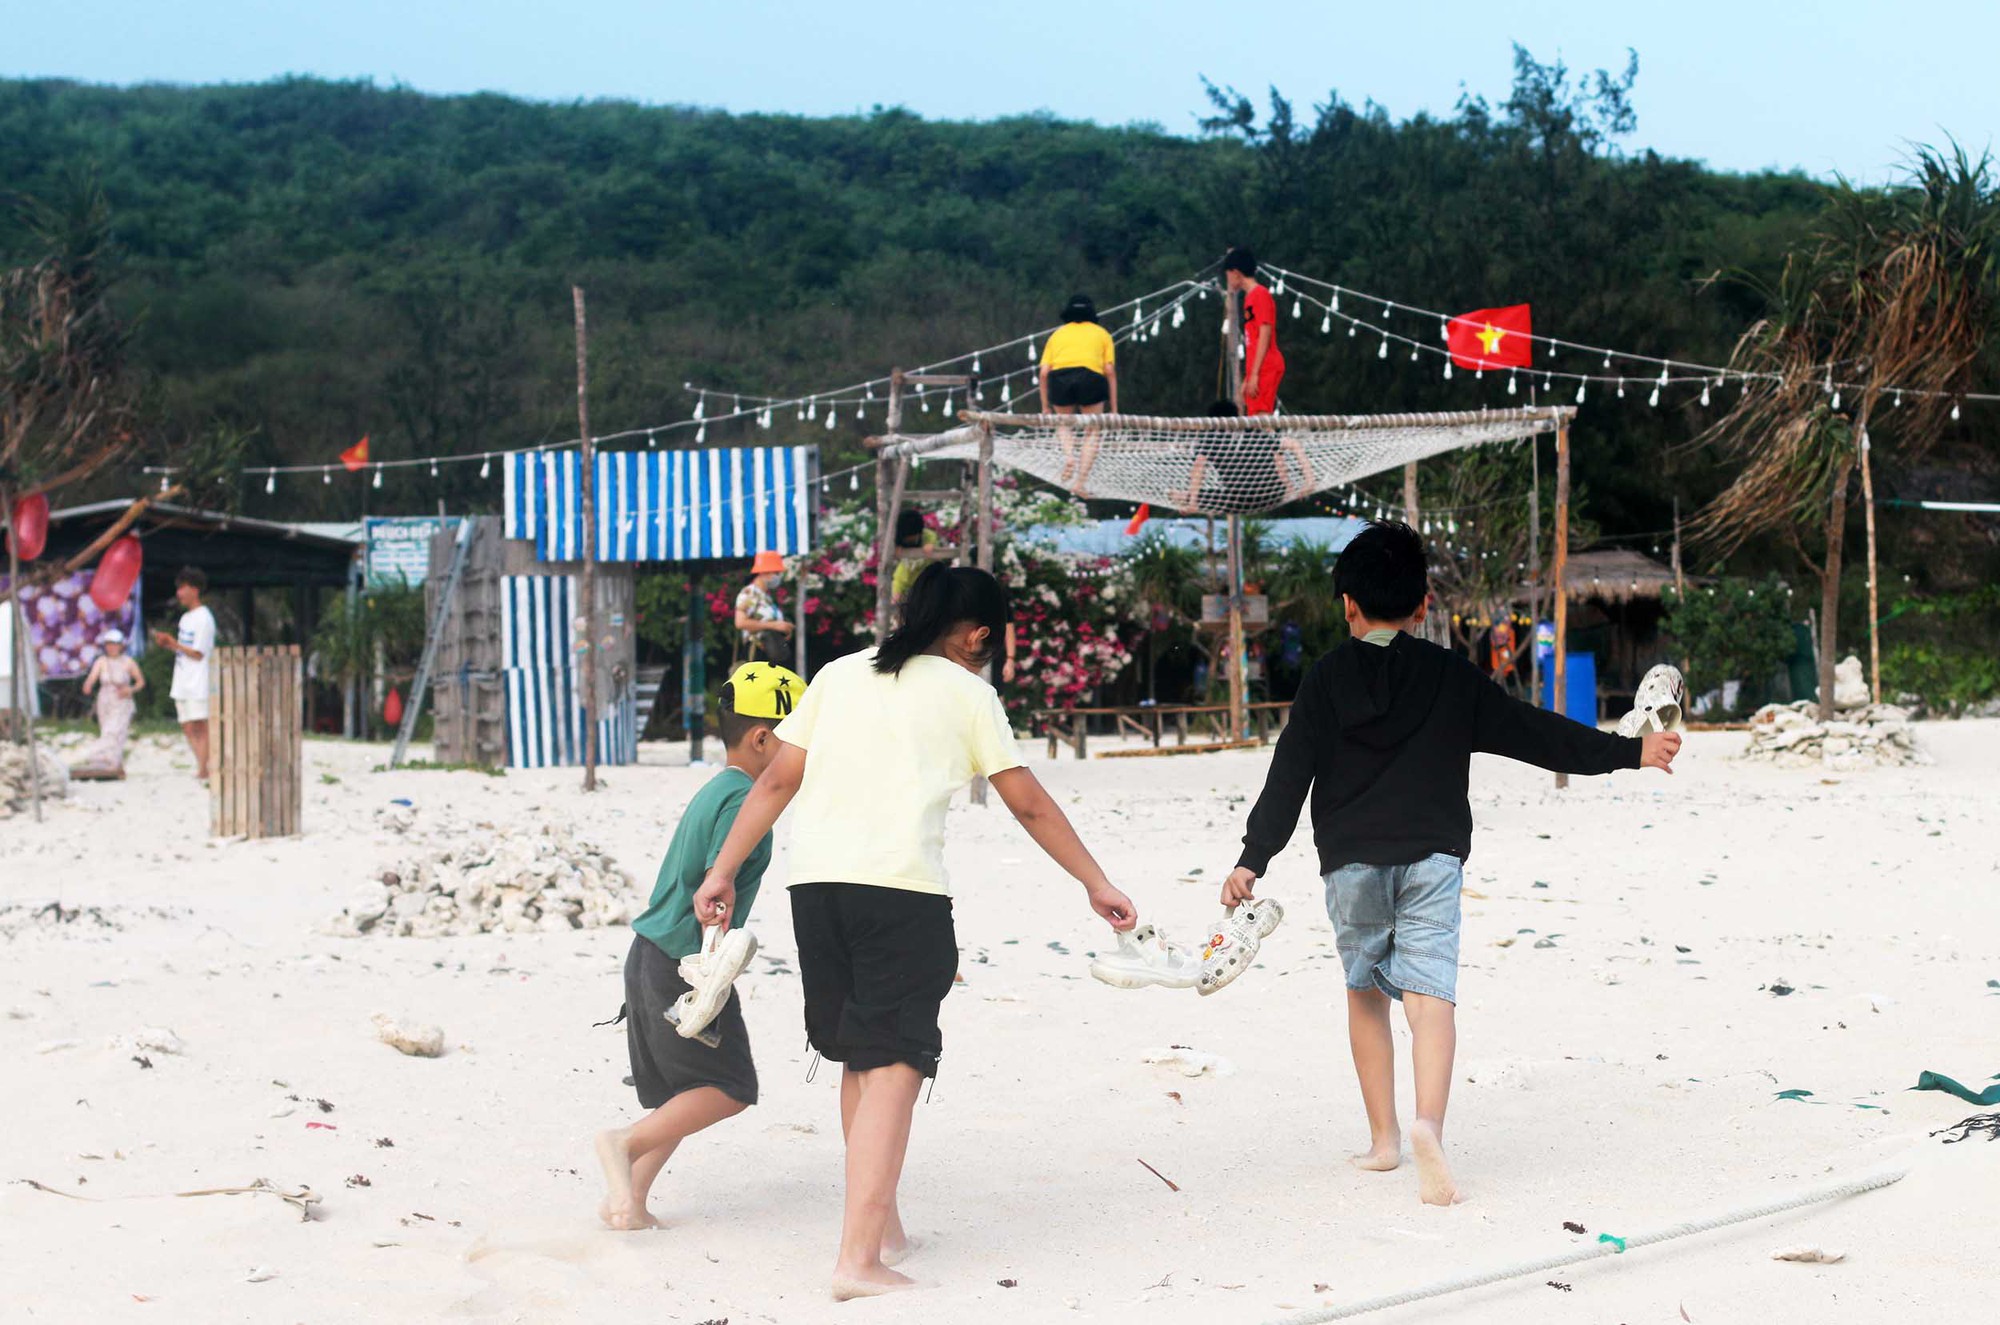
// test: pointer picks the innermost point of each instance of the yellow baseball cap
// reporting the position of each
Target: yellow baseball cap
(765, 690)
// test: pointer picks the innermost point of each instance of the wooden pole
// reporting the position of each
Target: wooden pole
(22, 695)
(1680, 581)
(1534, 569)
(1561, 569)
(889, 478)
(1232, 342)
(1874, 613)
(799, 618)
(1410, 494)
(1238, 715)
(587, 655)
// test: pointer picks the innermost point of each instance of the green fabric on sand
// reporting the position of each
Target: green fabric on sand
(668, 921)
(1936, 1081)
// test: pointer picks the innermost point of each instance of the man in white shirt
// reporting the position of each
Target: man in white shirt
(193, 645)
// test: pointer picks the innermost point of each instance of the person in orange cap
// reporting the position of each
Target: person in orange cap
(757, 613)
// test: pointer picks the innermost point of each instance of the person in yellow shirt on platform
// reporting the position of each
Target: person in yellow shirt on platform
(869, 761)
(1079, 375)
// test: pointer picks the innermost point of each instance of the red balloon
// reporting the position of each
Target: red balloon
(117, 571)
(30, 528)
(392, 708)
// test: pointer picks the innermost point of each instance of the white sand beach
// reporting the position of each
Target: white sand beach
(1623, 1045)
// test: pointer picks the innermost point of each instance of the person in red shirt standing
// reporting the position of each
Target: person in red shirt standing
(1263, 364)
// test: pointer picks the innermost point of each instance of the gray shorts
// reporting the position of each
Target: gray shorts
(665, 1065)
(1397, 925)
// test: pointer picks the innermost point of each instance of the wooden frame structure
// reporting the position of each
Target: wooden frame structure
(257, 740)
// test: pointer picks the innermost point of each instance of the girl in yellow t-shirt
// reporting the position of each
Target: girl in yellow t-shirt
(869, 760)
(1079, 375)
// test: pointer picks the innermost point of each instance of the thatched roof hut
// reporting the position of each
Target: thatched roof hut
(1616, 575)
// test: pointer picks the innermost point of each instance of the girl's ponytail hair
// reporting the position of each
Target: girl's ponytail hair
(943, 597)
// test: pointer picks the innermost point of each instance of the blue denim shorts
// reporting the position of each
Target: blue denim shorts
(1397, 925)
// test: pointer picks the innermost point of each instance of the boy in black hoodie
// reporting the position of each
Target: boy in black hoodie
(1382, 733)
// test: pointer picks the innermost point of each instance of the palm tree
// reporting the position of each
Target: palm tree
(1894, 295)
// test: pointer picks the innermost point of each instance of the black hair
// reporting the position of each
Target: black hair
(1242, 260)
(1384, 570)
(1224, 409)
(943, 597)
(909, 528)
(734, 726)
(193, 575)
(1080, 308)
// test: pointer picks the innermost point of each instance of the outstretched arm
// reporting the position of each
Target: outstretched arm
(767, 799)
(1547, 739)
(1030, 803)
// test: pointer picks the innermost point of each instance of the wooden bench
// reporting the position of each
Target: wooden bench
(1071, 727)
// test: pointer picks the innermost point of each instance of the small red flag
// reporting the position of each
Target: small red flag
(1139, 518)
(355, 456)
(1491, 338)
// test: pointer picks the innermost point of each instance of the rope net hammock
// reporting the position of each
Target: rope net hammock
(1218, 466)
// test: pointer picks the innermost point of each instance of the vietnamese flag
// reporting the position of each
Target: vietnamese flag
(356, 456)
(1139, 518)
(1491, 338)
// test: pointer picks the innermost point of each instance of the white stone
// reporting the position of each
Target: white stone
(1850, 683)
(415, 1038)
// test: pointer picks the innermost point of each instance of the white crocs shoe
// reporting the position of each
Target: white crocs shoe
(1233, 945)
(714, 976)
(1658, 705)
(1144, 957)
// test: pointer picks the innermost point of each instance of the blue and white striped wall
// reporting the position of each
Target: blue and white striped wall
(693, 505)
(545, 714)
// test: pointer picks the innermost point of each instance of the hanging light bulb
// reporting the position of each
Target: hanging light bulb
(853, 480)
(832, 418)
(1621, 388)
(1579, 392)
(1704, 393)
(1137, 316)
(927, 407)
(1898, 402)
(326, 476)
(1548, 381)
(485, 466)
(1153, 331)
(652, 439)
(1836, 397)
(735, 405)
(700, 433)
(434, 469)
(1336, 299)
(802, 410)
(1954, 410)
(1451, 527)
(1512, 387)
(1607, 358)
(1353, 327)
(1413, 353)
(1298, 307)
(1180, 315)
(1654, 399)
(1280, 287)
(1032, 356)
(764, 419)
(701, 405)
(1383, 353)
(1385, 310)
(1479, 373)
(270, 483)
(378, 476)
(812, 408)
(1447, 368)
(1326, 324)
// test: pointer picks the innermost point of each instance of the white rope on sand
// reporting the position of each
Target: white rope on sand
(1608, 1245)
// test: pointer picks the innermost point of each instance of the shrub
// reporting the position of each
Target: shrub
(1733, 630)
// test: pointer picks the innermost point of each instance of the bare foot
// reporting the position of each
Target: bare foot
(894, 1254)
(1382, 1155)
(617, 1212)
(869, 1281)
(1434, 1181)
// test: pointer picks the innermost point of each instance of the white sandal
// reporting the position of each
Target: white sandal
(713, 974)
(1233, 946)
(1144, 957)
(1659, 703)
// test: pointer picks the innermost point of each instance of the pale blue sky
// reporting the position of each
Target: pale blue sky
(1834, 85)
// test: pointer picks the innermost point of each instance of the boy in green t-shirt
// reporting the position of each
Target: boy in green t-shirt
(684, 1025)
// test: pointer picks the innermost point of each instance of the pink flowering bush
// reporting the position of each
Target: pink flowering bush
(1073, 635)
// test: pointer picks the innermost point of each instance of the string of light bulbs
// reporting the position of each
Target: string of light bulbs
(1671, 371)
